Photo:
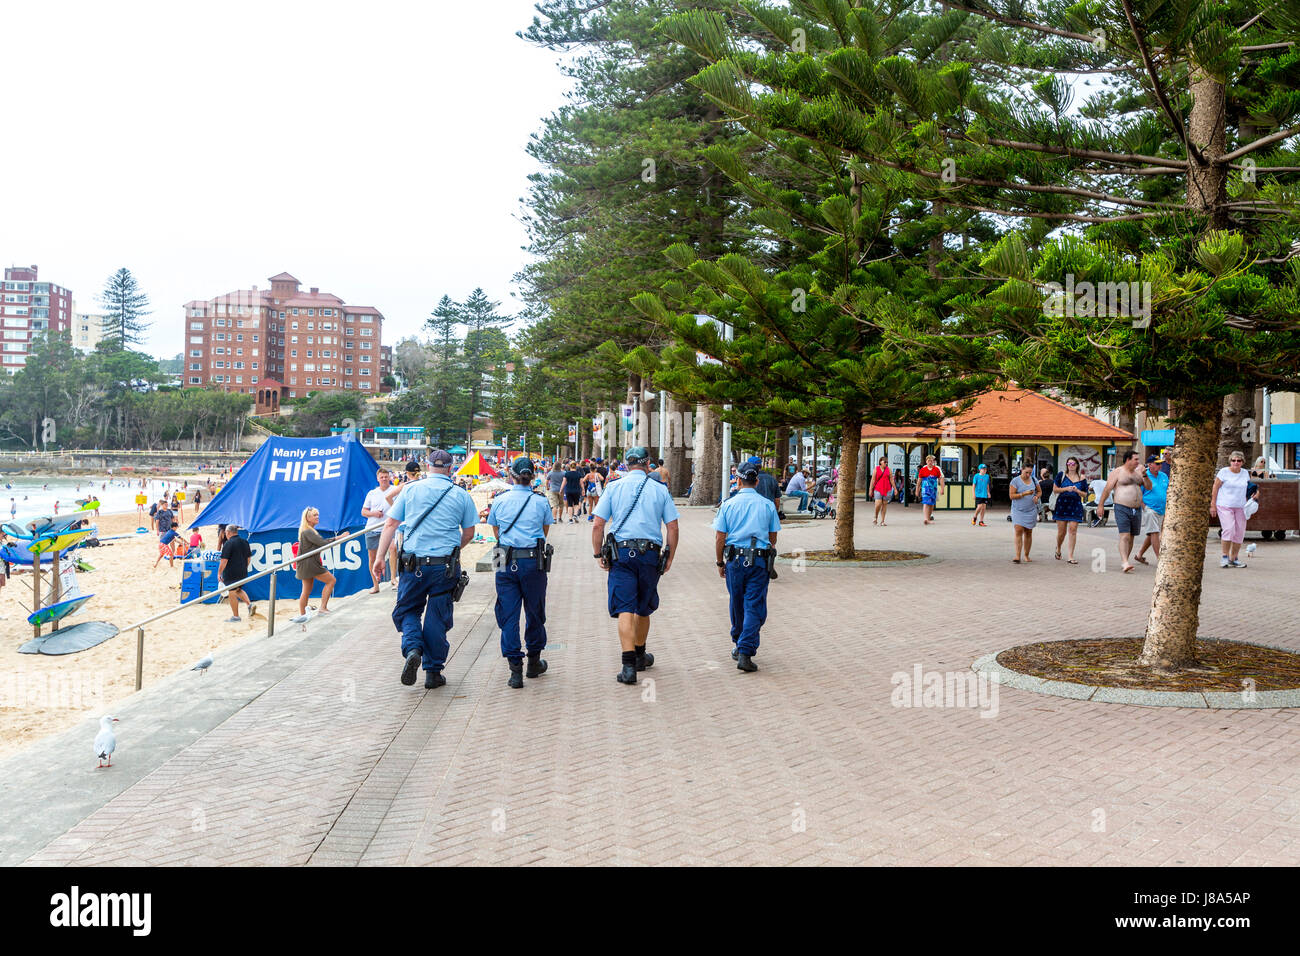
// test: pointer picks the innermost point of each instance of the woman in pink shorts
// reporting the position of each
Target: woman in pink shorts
(1229, 501)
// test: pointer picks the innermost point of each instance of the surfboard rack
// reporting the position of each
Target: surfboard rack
(51, 536)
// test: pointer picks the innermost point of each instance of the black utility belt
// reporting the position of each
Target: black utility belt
(419, 561)
(520, 552)
(639, 544)
(731, 551)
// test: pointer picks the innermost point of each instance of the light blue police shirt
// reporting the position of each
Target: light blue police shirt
(654, 507)
(533, 513)
(438, 534)
(747, 516)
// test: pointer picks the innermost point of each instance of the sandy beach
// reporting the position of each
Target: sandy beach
(41, 694)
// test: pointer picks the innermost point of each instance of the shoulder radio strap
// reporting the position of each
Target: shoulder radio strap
(518, 515)
(632, 507)
(410, 531)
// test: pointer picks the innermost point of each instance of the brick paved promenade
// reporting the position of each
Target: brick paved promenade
(306, 749)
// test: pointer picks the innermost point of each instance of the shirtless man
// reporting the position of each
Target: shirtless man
(1128, 481)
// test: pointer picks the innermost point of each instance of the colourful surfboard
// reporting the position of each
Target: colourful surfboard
(24, 559)
(60, 542)
(43, 525)
(57, 612)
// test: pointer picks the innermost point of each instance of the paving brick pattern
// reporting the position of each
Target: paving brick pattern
(807, 761)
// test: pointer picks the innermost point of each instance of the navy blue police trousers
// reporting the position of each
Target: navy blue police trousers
(747, 587)
(521, 588)
(427, 592)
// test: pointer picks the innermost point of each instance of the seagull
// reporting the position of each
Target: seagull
(105, 741)
(1250, 548)
(204, 663)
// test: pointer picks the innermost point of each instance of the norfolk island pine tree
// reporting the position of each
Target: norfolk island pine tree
(1153, 171)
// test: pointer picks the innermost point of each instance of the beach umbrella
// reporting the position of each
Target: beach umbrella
(476, 465)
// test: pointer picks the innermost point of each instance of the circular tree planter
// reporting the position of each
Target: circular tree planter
(1232, 674)
(861, 559)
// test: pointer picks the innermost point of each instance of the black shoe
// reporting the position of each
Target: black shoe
(412, 665)
(536, 666)
(735, 652)
(627, 675)
(433, 679)
(645, 661)
(745, 663)
(516, 675)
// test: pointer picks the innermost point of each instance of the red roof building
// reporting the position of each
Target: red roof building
(286, 340)
(1000, 429)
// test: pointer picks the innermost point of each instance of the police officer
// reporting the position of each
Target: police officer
(437, 519)
(634, 507)
(745, 546)
(521, 565)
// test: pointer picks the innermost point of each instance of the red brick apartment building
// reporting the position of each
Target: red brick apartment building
(28, 309)
(283, 343)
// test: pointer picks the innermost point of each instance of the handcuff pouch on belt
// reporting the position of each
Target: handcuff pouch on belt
(544, 553)
(749, 554)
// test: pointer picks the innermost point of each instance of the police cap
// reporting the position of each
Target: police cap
(637, 456)
(521, 467)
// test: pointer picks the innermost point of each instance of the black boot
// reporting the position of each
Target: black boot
(433, 679)
(536, 666)
(411, 666)
(735, 652)
(516, 674)
(628, 674)
(644, 659)
(745, 663)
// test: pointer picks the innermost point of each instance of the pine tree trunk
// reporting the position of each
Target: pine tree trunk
(864, 465)
(584, 430)
(782, 449)
(675, 454)
(1233, 432)
(1171, 627)
(845, 498)
(649, 408)
(706, 486)
(1126, 419)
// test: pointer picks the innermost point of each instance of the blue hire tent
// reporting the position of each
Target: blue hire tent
(266, 498)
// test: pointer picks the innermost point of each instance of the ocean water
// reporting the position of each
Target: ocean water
(33, 495)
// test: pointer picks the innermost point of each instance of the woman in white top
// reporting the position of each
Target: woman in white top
(1229, 500)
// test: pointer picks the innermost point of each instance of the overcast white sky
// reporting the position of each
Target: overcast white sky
(375, 150)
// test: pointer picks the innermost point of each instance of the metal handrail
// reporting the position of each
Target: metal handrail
(221, 591)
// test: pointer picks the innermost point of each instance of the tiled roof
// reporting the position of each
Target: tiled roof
(1013, 414)
(282, 277)
(313, 299)
(361, 310)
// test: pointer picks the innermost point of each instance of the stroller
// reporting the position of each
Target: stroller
(822, 502)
